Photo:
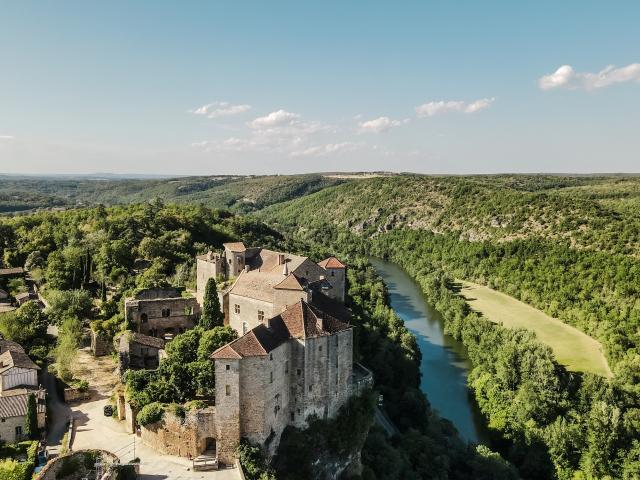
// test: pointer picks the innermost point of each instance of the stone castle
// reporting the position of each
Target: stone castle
(294, 357)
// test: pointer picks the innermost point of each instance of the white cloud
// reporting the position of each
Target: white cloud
(7, 137)
(452, 106)
(220, 109)
(278, 118)
(567, 77)
(380, 124)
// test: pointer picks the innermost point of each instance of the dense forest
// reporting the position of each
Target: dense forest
(566, 246)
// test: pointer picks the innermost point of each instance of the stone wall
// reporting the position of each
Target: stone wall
(248, 312)
(183, 437)
(51, 469)
(101, 344)
(75, 395)
(227, 408)
(206, 269)
(148, 315)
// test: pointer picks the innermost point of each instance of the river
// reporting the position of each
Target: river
(444, 364)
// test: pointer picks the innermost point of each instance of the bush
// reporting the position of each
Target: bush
(69, 466)
(151, 413)
(253, 462)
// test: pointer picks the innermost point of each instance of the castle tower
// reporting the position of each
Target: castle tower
(235, 256)
(336, 276)
(209, 265)
(227, 370)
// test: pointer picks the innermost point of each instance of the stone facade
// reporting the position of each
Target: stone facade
(101, 344)
(137, 351)
(161, 312)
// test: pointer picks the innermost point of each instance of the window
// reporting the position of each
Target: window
(236, 308)
(320, 348)
(310, 387)
(293, 416)
(228, 367)
(227, 390)
(244, 327)
(270, 377)
(166, 313)
(336, 362)
(299, 372)
(261, 315)
(286, 366)
(144, 318)
(271, 356)
(333, 274)
(18, 430)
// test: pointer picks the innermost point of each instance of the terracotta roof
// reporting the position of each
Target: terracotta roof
(12, 358)
(299, 320)
(146, 340)
(13, 403)
(331, 262)
(234, 246)
(291, 282)
(6, 345)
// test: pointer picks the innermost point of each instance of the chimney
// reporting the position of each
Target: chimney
(285, 270)
(267, 322)
(280, 258)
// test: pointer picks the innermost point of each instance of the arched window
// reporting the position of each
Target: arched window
(144, 318)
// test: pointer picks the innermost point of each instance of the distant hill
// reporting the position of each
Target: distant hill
(239, 193)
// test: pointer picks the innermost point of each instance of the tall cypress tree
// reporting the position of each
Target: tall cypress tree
(31, 420)
(211, 314)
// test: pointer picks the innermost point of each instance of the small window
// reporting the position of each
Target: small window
(227, 390)
(320, 348)
(3, 420)
(299, 372)
(271, 356)
(310, 387)
(166, 313)
(236, 308)
(333, 274)
(293, 416)
(270, 377)
(18, 430)
(228, 367)
(286, 366)
(261, 315)
(144, 318)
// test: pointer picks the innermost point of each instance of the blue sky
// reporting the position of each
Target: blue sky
(287, 87)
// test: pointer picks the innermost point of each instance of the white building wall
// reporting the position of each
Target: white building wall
(17, 376)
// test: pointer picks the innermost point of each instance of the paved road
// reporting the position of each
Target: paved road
(94, 430)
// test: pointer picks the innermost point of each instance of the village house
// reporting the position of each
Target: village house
(137, 351)
(18, 380)
(161, 312)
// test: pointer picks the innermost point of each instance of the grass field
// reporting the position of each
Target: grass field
(572, 348)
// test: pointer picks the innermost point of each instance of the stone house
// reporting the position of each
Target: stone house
(266, 282)
(137, 351)
(297, 364)
(6, 345)
(17, 370)
(161, 312)
(13, 412)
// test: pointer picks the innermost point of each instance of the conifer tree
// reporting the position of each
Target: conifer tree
(31, 420)
(211, 313)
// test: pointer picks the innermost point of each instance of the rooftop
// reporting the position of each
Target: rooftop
(145, 340)
(234, 246)
(299, 320)
(13, 403)
(331, 262)
(13, 358)
(6, 345)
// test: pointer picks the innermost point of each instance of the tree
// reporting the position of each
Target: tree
(211, 313)
(25, 325)
(31, 421)
(213, 339)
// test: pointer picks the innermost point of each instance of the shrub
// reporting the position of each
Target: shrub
(151, 413)
(69, 466)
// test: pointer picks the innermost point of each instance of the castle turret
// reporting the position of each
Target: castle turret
(235, 256)
(336, 276)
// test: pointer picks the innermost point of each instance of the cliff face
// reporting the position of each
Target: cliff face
(327, 449)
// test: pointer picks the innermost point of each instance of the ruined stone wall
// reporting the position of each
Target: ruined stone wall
(206, 269)
(147, 315)
(183, 437)
(101, 344)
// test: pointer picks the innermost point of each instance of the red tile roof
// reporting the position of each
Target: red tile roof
(331, 262)
(299, 320)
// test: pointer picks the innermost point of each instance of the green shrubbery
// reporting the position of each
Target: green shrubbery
(151, 413)
(10, 468)
(253, 463)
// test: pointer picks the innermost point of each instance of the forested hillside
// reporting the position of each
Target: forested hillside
(241, 194)
(568, 246)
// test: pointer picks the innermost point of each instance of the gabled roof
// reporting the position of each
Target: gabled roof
(331, 262)
(145, 340)
(299, 320)
(234, 246)
(291, 282)
(11, 358)
(13, 403)
(6, 345)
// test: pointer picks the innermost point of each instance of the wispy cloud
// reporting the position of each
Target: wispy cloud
(567, 77)
(7, 137)
(432, 109)
(327, 149)
(380, 124)
(220, 109)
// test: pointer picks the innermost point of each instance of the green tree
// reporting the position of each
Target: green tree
(211, 312)
(31, 421)
(213, 339)
(25, 326)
